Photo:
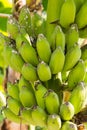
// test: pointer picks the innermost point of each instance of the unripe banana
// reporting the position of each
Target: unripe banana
(54, 122)
(13, 90)
(57, 61)
(77, 97)
(58, 38)
(72, 57)
(53, 14)
(7, 52)
(83, 33)
(69, 126)
(40, 90)
(68, 9)
(29, 54)
(16, 61)
(38, 24)
(2, 100)
(72, 36)
(31, 74)
(23, 82)
(52, 102)
(14, 105)
(26, 115)
(43, 48)
(85, 78)
(39, 116)
(11, 116)
(81, 18)
(25, 19)
(12, 27)
(27, 97)
(45, 128)
(78, 4)
(66, 111)
(43, 71)
(76, 75)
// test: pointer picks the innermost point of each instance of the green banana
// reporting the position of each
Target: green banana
(14, 105)
(11, 116)
(57, 60)
(39, 116)
(13, 90)
(84, 52)
(71, 58)
(13, 27)
(78, 4)
(26, 114)
(54, 122)
(7, 53)
(68, 9)
(43, 71)
(58, 38)
(23, 82)
(2, 100)
(22, 38)
(76, 75)
(68, 125)
(53, 14)
(16, 61)
(66, 111)
(27, 97)
(40, 90)
(29, 54)
(85, 78)
(72, 36)
(43, 48)
(81, 18)
(52, 102)
(77, 97)
(25, 19)
(31, 74)
(38, 24)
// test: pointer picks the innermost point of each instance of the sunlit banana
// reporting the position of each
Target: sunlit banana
(52, 102)
(72, 36)
(76, 75)
(14, 105)
(31, 74)
(39, 116)
(77, 97)
(54, 122)
(66, 111)
(81, 18)
(40, 90)
(68, 125)
(12, 27)
(68, 9)
(27, 97)
(25, 19)
(13, 90)
(57, 60)
(53, 14)
(16, 61)
(43, 71)
(43, 48)
(58, 38)
(2, 100)
(71, 58)
(29, 54)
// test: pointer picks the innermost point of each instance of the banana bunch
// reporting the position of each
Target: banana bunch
(52, 87)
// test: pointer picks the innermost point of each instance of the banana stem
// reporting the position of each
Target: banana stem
(3, 15)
